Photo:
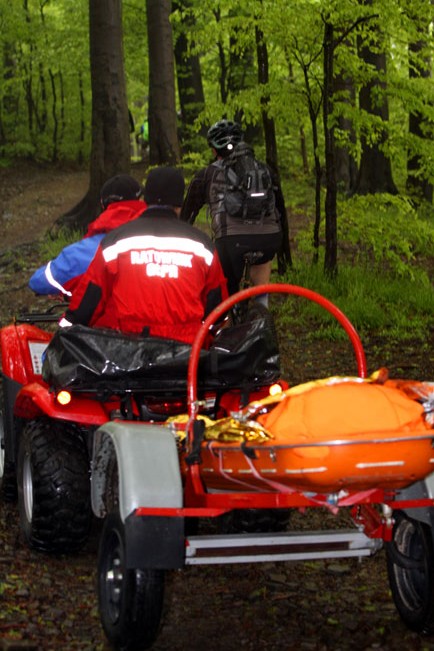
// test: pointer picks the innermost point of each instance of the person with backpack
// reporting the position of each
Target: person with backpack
(121, 202)
(245, 203)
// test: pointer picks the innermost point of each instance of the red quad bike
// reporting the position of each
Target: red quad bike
(93, 434)
(49, 420)
(151, 481)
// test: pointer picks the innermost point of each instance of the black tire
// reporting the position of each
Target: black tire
(8, 476)
(410, 567)
(254, 521)
(53, 487)
(130, 600)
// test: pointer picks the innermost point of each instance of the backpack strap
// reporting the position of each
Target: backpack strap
(216, 187)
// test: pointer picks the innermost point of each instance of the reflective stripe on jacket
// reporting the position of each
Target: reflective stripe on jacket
(156, 275)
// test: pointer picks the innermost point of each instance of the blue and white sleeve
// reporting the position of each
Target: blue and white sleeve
(71, 262)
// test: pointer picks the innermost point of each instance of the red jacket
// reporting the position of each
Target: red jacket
(156, 275)
(116, 214)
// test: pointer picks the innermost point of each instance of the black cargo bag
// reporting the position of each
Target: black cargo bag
(83, 358)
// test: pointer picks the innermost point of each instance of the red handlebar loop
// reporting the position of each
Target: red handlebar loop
(244, 294)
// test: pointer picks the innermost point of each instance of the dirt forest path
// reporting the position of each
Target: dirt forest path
(49, 603)
(32, 197)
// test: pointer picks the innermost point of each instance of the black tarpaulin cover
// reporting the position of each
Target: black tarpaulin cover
(90, 358)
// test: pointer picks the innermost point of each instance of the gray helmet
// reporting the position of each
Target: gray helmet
(224, 133)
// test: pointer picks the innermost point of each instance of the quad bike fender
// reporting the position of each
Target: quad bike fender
(420, 490)
(148, 467)
(36, 399)
(21, 349)
(147, 474)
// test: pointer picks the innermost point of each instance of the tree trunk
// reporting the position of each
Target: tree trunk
(189, 77)
(163, 136)
(10, 103)
(346, 165)
(375, 171)
(43, 91)
(420, 67)
(82, 119)
(268, 123)
(241, 76)
(62, 120)
(27, 81)
(330, 260)
(303, 151)
(223, 70)
(314, 108)
(110, 152)
(284, 258)
(55, 151)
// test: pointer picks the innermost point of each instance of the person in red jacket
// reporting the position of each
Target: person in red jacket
(156, 275)
(121, 201)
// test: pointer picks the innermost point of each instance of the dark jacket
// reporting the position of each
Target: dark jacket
(199, 195)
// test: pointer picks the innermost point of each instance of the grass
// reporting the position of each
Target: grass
(51, 247)
(374, 303)
(385, 269)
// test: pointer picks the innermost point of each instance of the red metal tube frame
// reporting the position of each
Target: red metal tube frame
(244, 294)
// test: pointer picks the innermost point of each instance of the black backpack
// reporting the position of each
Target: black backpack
(244, 188)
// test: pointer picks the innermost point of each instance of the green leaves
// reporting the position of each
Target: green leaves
(386, 231)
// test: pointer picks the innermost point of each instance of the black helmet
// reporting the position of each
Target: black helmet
(121, 187)
(224, 133)
(165, 187)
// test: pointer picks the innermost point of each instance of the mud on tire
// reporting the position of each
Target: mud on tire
(53, 486)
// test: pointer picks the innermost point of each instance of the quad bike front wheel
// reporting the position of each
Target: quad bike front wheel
(410, 567)
(53, 487)
(130, 600)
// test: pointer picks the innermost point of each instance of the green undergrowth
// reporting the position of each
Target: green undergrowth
(374, 303)
(49, 248)
(384, 274)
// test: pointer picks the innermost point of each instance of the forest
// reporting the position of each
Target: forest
(336, 96)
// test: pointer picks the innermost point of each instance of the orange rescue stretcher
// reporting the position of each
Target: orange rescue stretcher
(338, 435)
(326, 436)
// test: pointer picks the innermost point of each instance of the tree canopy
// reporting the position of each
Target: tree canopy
(339, 90)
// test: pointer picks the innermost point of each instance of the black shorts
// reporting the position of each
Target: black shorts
(232, 249)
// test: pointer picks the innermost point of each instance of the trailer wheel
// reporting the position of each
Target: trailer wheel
(410, 567)
(130, 600)
(53, 487)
